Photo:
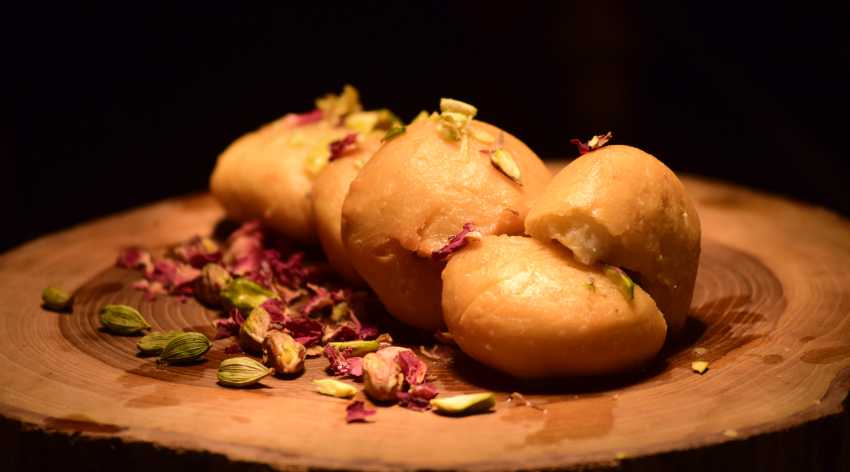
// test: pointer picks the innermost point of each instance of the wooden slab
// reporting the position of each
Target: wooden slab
(771, 314)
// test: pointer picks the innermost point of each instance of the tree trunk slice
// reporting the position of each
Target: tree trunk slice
(771, 314)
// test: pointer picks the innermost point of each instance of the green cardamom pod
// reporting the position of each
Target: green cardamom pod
(241, 372)
(245, 294)
(465, 404)
(152, 344)
(185, 347)
(254, 329)
(122, 319)
(55, 299)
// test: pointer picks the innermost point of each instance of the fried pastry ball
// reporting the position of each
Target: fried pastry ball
(622, 206)
(329, 191)
(268, 174)
(419, 190)
(529, 309)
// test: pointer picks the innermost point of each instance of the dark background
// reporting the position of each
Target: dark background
(110, 107)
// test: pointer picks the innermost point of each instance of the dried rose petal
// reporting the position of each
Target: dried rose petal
(368, 332)
(596, 142)
(276, 310)
(582, 148)
(176, 276)
(456, 242)
(198, 252)
(302, 119)
(357, 411)
(412, 367)
(345, 331)
(305, 330)
(418, 397)
(151, 289)
(244, 250)
(337, 364)
(135, 258)
(230, 325)
(355, 366)
(343, 145)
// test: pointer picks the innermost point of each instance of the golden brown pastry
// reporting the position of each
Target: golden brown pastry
(419, 190)
(268, 174)
(529, 309)
(622, 206)
(329, 191)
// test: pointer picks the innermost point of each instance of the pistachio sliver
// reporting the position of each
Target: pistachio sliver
(465, 404)
(504, 161)
(335, 388)
(621, 279)
(122, 319)
(448, 132)
(241, 372)
(362, 121)
(456, 106)
(482, 136)
(699, 366)
(394, 132)
(55, 298)
(152, 344)
(186, 347)
(245, 294)
(358, 348)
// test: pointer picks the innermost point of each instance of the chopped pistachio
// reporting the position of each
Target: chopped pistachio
(335, 388)
(246, 294)
(362, 121)
(448, 132)
(590, 285)
(122, 319)
(457, 120)
(340, 311)
(358, 348)
(214, 278)
(457, 106)
(482, 136)
(296, 139)
(186, 347)
(465, 404)
(599, 140)
(382, 377)
(423, 115)
(241, 372)
(394, 132)
(284, 353)
(318, 157)
(254, 329)
(503, 161)
(55, 299)
(338, 106)
(699, 366)
(622, 280)
(152, 344)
